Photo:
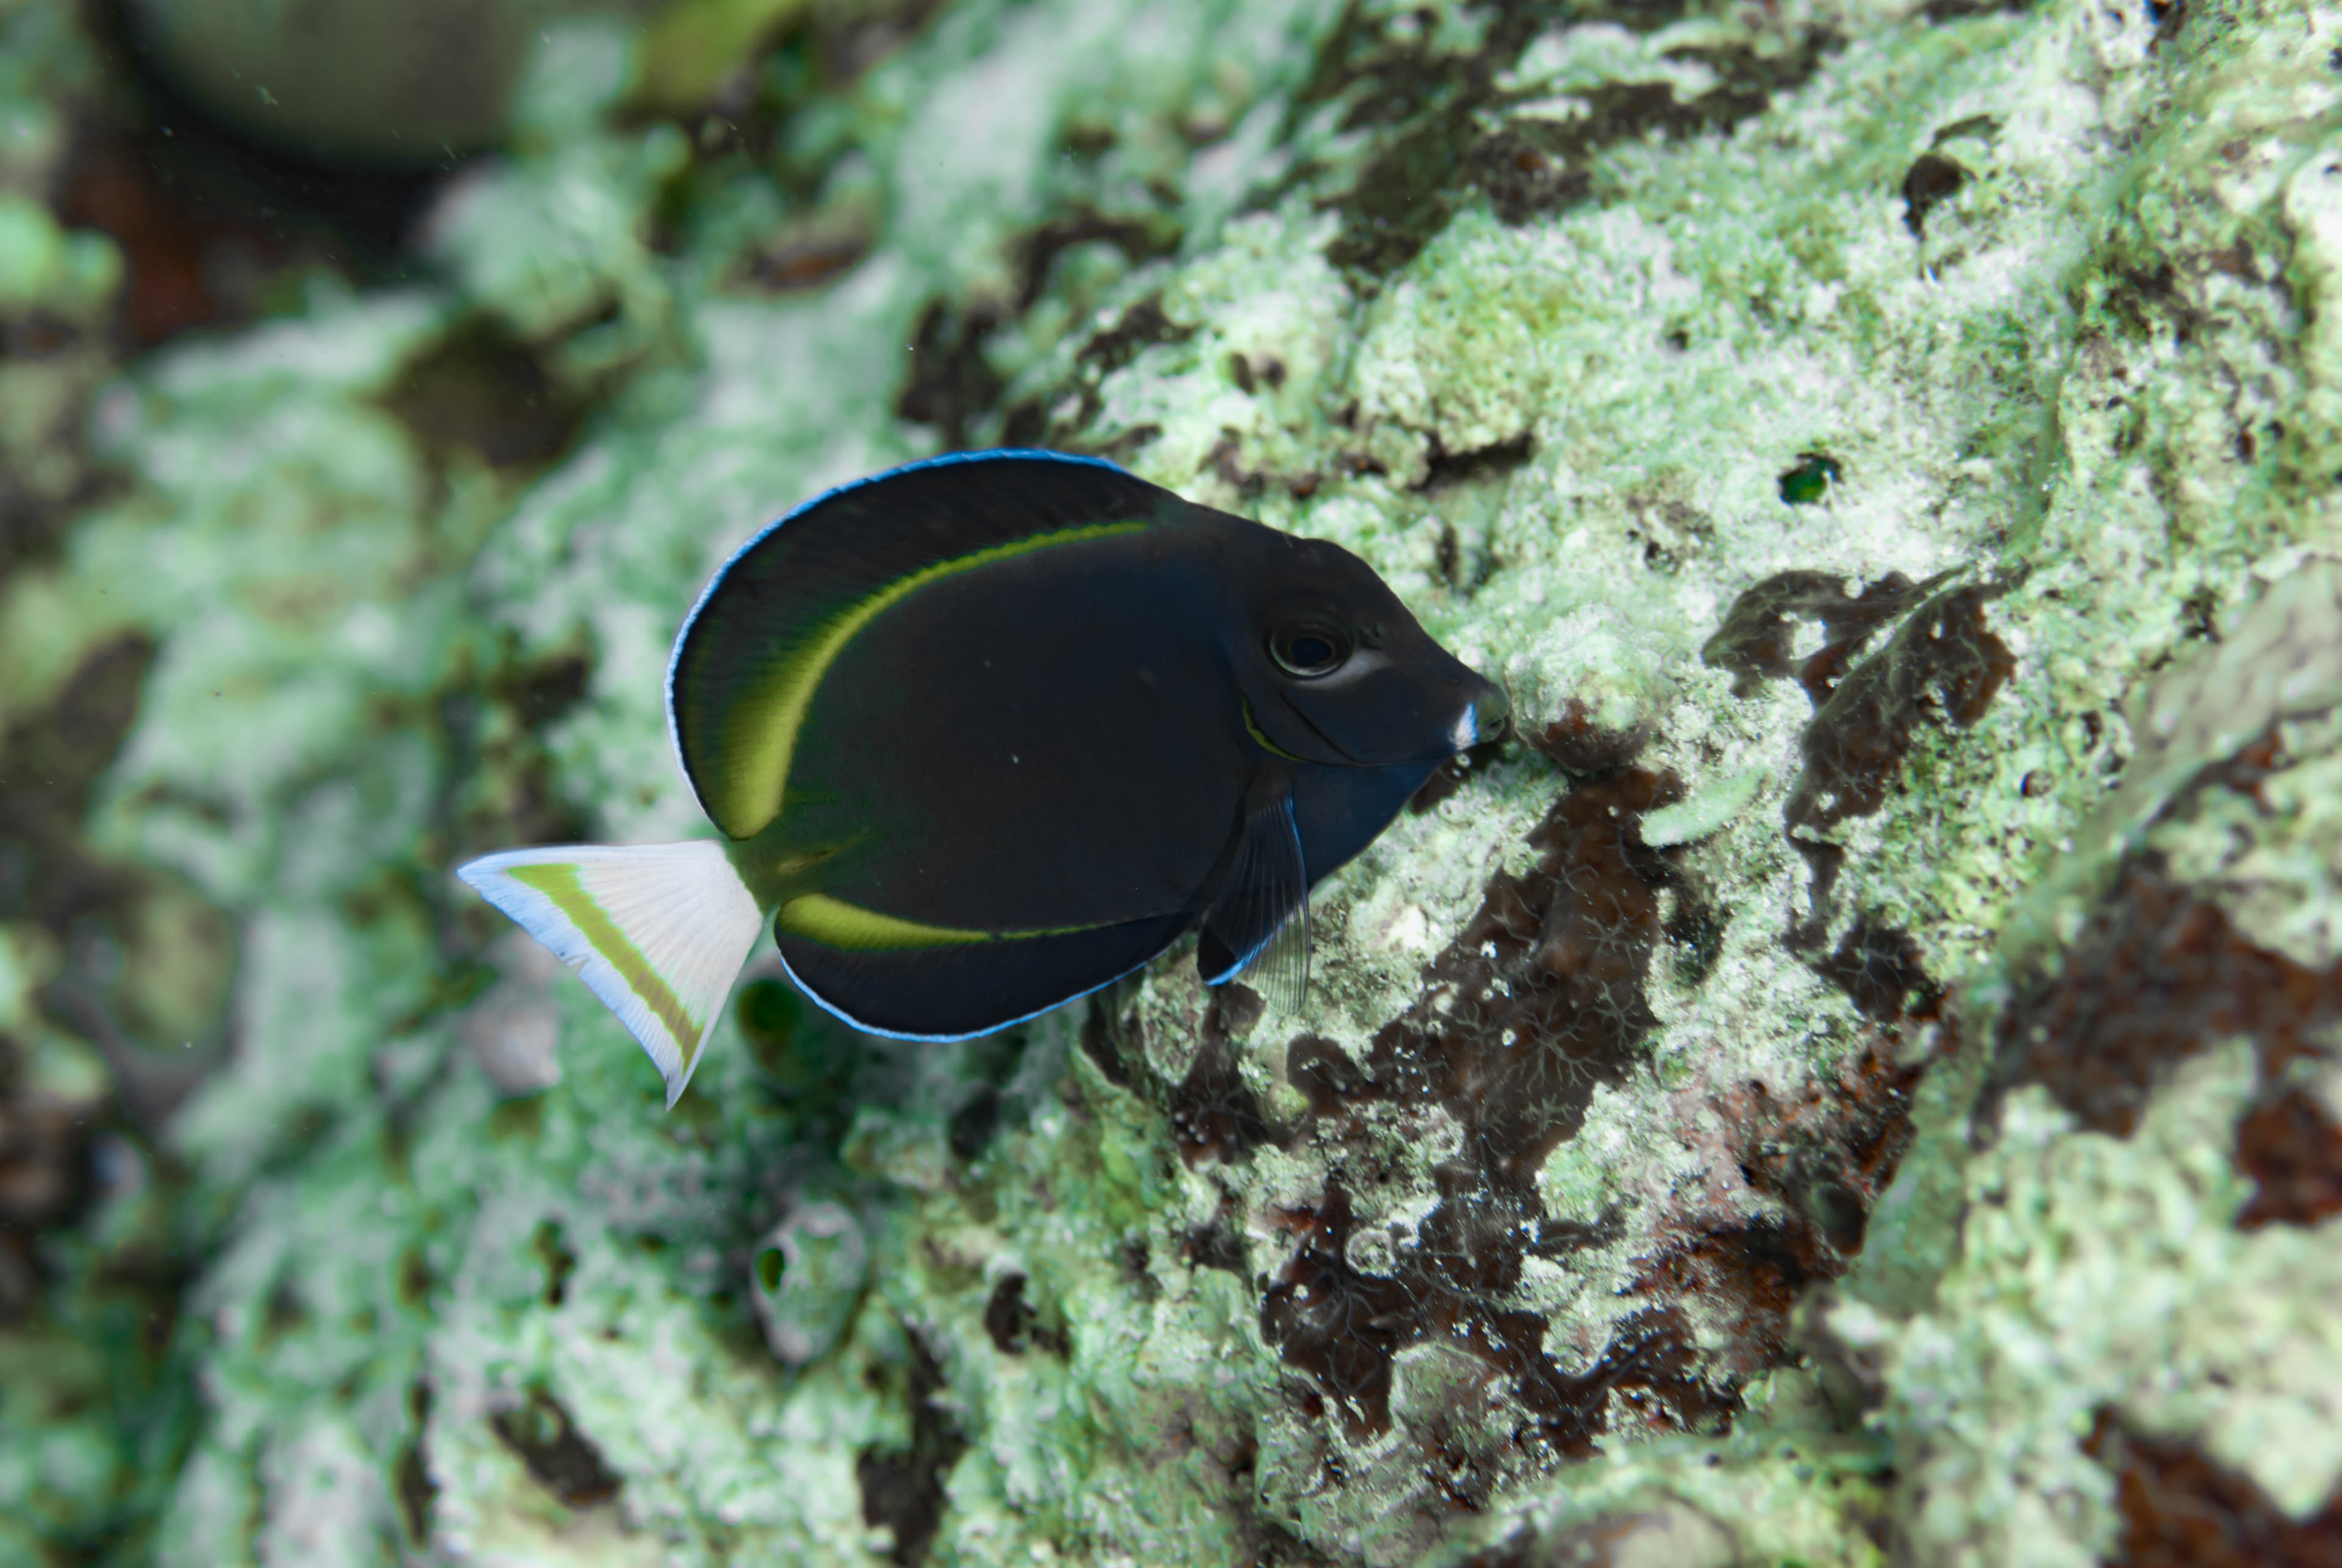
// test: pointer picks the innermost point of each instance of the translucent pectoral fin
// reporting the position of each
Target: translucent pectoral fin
(658, 932)
(1258, 925)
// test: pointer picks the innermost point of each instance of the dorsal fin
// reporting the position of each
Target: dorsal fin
(777, 613)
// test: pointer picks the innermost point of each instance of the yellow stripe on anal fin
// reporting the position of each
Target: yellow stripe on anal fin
(834, 923)
(559, 881)
(758, 736)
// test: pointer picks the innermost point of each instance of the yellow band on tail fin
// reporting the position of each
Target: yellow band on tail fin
(658, 932)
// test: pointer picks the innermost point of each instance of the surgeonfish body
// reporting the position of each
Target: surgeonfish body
(985, 732)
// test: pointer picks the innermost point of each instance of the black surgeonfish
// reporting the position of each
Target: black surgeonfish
(984, 734)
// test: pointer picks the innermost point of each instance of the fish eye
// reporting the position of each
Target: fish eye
(1309, 649)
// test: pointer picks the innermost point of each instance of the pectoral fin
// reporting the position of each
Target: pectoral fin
(1260, 919)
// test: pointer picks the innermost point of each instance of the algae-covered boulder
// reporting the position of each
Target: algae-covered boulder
(1856, 1078)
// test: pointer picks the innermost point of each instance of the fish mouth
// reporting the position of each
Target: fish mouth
(1487, 715)
(1486, 718)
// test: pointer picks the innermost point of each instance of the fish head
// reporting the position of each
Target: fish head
(1334, 669)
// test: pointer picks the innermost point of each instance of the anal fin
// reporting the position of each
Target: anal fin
(960, 989)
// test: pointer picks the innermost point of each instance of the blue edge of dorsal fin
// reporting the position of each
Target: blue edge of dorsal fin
(715, 581)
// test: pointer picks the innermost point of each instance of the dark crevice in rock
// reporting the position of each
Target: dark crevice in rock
(952, 385)
(39, 501)
(1441, 147)
(974, 1124)
(1753, 645)
(1225, 459)
(480, 389)
(1216, 1246)
(1444, 469)
(1539, 1000)
(411, 1475)
(1101, 1042)
(2157, 975)
(2151, 300)
(1013, 1324)
(1932, 180)
(2168, 16)
(44, 1170)
(1140, 236)
(1061, 417)
(557, 1261)
(1944, 666)
(559, 1458)
(847, 40)
(1141, 323)
(1696, 930)
(49, 760)
(904, 1491)
(1261, 1541)
(2290, 1145)
(1878, 968)
(2180, 1509)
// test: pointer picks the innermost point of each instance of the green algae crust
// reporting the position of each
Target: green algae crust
(1533, 308)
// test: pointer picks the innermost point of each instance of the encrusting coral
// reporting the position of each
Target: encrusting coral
(1854, 1079)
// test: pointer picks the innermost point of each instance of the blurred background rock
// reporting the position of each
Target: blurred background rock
(395, 87)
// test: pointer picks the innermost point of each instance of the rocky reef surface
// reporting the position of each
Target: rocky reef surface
(1858, 1079)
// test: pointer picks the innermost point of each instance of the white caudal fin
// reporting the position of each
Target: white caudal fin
(657, 930)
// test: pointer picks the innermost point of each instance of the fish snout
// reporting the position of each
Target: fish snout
(1487, 714)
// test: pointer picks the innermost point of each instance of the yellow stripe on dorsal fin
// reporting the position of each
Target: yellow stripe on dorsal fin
(658, 932)
(774, 620)
(758, 736)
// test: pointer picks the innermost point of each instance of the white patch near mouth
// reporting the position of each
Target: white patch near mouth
(1467, 728)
